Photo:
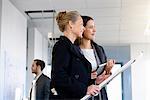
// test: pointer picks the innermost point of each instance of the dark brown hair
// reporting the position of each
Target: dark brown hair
(86, 19)
(39, 62)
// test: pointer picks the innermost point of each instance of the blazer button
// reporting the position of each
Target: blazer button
(76, 76)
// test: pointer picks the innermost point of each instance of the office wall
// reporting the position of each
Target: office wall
(122, 54)
(41, 48)
(140, 72)
(47, 68)
(135, 80)
(13, 51)
(1, 71)
(30, 55)
(37, 49)
(38, 44)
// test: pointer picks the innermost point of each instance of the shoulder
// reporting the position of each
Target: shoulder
(43, 81)
(97, 46)
(99, 49)
(44, 77)
(59, 44)
(62, 44)
(59, 49)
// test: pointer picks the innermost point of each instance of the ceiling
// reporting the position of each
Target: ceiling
(117, 21)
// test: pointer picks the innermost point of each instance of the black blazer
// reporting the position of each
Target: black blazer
(71, 72)
(103, 59)
(43, 88)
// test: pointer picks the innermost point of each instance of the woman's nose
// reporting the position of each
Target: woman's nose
(94, 30)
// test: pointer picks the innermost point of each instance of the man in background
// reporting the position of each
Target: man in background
(41, 84)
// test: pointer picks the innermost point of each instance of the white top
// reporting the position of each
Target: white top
(33, 93)
(89, 55)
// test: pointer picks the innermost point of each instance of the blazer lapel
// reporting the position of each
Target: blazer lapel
(77, 52)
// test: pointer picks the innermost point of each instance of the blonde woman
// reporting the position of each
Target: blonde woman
(71, 72)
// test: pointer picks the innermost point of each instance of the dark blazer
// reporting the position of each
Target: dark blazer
(43, 88)
(102, 57)
(71, 72)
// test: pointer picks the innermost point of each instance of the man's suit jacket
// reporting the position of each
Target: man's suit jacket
(43, 88)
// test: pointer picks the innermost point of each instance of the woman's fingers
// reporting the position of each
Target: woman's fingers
(104, 72)
(109, 65)
(101, 78)
(93, 89)
(110, 62)
(94, 75)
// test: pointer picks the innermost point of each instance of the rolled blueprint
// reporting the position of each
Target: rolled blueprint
(120, 70)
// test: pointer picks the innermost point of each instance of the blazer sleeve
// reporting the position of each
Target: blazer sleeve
(61, 58)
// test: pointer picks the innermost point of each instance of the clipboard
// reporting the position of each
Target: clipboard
(100, 68)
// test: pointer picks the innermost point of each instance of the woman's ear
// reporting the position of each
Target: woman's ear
(70, 24)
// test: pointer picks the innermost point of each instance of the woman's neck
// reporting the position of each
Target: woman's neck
(85, 44)
(70, 36)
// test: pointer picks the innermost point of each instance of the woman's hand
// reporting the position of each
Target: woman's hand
(102, 77)
(109, 65)
(93, 90)
(94, 75)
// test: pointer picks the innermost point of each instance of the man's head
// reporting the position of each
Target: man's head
(37, 66)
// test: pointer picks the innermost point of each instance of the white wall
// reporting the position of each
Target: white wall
(47, 69)
(38, 45)
(115, 85)
(140, 72)
(30, 56)
(41, 48)
(37, 49)
(13, 50)
(1, 72)
(121, 54)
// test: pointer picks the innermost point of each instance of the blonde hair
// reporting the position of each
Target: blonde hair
(64, 17)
